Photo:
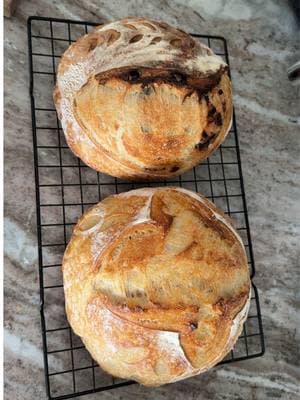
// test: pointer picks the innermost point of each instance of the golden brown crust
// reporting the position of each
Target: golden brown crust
(156, 283)
(140, 99)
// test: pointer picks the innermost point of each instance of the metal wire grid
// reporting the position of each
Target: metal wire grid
(65, 187)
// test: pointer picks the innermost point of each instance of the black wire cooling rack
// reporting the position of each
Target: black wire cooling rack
(65, 187)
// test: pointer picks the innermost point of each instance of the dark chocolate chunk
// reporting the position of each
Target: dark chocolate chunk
(206, 97)
(174, 169)
(133, 75)
(193, 325)
(218, 119)
(205, 135)
(201, 145)
(206, 140)
(177, 77)
(220, 91)
(147, 90)
(211, 111)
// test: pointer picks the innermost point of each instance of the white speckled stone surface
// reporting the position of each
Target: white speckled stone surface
(263, 39)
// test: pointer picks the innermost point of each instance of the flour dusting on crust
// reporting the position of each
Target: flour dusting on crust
(144, 213)
(108, 320)
(169, 342)
(100, 241)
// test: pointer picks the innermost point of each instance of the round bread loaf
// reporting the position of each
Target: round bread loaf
(156, 284)
(139, 99)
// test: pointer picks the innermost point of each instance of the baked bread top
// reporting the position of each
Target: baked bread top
(156, 284)
(140, 99)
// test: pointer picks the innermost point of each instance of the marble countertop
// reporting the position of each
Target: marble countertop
(263, 39)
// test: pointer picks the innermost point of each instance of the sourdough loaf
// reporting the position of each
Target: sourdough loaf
(139, 99)
(156, 284)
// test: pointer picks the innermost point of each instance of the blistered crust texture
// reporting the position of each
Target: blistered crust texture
(156, 284)
(140, 99)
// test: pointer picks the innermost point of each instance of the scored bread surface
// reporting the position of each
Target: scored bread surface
(140, 99)
(156, 284)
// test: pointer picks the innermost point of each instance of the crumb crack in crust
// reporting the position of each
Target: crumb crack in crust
(138, 99)
(156, 284)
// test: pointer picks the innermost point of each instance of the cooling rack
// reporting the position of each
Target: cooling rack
(65, 187)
